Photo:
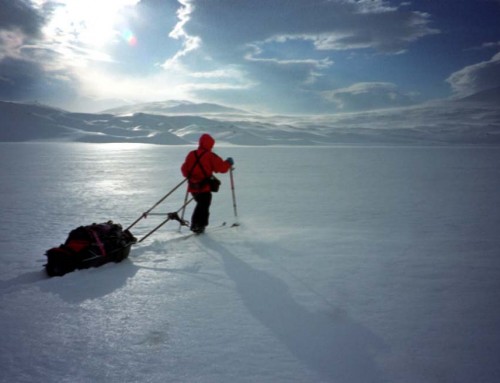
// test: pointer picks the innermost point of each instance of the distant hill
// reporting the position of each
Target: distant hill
(19, 122)
(175, 107)
(462, 122)
(26, 122)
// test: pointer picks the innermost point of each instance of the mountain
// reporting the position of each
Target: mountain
(27, 122)
(460, 122)
(175, 107)
(22, 122)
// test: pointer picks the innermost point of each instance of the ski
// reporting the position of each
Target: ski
(212, 229)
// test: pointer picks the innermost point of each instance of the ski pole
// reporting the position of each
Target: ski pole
(170, 216)
(234, 196)
(144, 215)
(183, 210)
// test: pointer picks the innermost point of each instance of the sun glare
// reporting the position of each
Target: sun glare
(91, 23)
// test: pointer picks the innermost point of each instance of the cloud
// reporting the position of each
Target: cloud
(10, 43)
(476, 78)
(331, 25)
(46, 46)
(257, 51)
(287, 46)
(368, 95)
(488, 45)
(24, 63)
(190, 42)
(283, 53)
(20, 24)
(25, 80)
(21, 16)
(387, 31)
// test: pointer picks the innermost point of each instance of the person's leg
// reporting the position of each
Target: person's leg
(201, 212)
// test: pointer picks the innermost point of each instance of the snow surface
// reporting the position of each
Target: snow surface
(352, 264)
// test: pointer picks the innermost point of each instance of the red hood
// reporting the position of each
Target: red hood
(206, 142)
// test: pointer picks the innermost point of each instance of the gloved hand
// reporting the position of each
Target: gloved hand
(230, 160)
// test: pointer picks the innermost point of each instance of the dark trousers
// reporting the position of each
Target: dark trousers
(201, 211)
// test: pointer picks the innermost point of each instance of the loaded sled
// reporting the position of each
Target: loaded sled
(89, 246)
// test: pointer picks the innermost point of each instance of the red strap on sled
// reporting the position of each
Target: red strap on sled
(77, 245)
(99, 243)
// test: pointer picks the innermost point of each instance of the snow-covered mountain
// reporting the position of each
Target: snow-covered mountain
(465, 121)
(173, 107)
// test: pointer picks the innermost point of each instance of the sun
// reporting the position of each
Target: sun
(90, 24)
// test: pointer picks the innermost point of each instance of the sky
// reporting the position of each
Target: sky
(269, 56)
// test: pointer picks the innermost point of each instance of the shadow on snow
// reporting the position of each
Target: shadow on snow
(77, 286)
(336, 348)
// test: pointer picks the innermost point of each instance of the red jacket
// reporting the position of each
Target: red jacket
(208, 160)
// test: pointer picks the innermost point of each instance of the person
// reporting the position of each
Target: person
(198, 167)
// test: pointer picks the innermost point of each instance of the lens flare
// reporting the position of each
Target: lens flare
(129, 37)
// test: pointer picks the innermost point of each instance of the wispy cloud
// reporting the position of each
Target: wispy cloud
(487, 45)
(368, 95)
(257, 50)
(190, 42)
(11, 42)
(331, 25)
(288, 46)
(477, 77)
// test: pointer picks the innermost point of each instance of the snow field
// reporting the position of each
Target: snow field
(351, 265)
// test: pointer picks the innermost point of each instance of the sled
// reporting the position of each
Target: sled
(89, 246)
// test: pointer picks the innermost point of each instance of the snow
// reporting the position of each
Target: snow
(445, 122)
(351, 264)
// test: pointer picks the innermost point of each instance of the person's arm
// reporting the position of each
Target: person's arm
(220, 165)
